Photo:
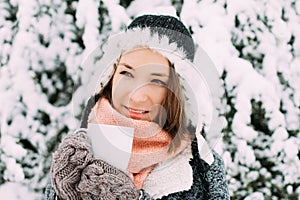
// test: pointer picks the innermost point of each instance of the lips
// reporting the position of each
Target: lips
(136, 113)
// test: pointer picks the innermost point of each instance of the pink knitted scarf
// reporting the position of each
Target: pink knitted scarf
(150, 143)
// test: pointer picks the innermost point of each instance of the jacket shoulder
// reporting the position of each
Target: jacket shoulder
(216, 178)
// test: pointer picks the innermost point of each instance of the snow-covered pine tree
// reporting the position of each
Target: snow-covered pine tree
(262, 135)
(44, 47)
(38, 91)
(7, 33)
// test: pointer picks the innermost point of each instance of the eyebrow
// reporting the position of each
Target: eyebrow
(126, 65)
(153, 74)
(159, 74)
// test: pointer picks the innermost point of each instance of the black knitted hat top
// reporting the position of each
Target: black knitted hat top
(168, 26)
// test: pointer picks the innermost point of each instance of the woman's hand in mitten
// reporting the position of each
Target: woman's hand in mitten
(100, 180)
(71, 157)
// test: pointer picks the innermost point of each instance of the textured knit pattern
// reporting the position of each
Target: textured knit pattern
(99, 180)
(71, 157)
(170, 27)
(51, 195)
(76, 175)
(215, 177)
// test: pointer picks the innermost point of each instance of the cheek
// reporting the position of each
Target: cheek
(160, 94)
(157, 107)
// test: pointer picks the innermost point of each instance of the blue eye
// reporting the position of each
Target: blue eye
(159, 82)
(126, 73)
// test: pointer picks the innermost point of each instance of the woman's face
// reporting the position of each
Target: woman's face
(139, 84)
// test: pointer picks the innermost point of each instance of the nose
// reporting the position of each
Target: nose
(139, 95)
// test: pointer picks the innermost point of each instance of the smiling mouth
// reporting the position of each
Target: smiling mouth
(136, 113)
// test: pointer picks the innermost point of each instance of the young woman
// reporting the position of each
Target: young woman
(143, 89)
